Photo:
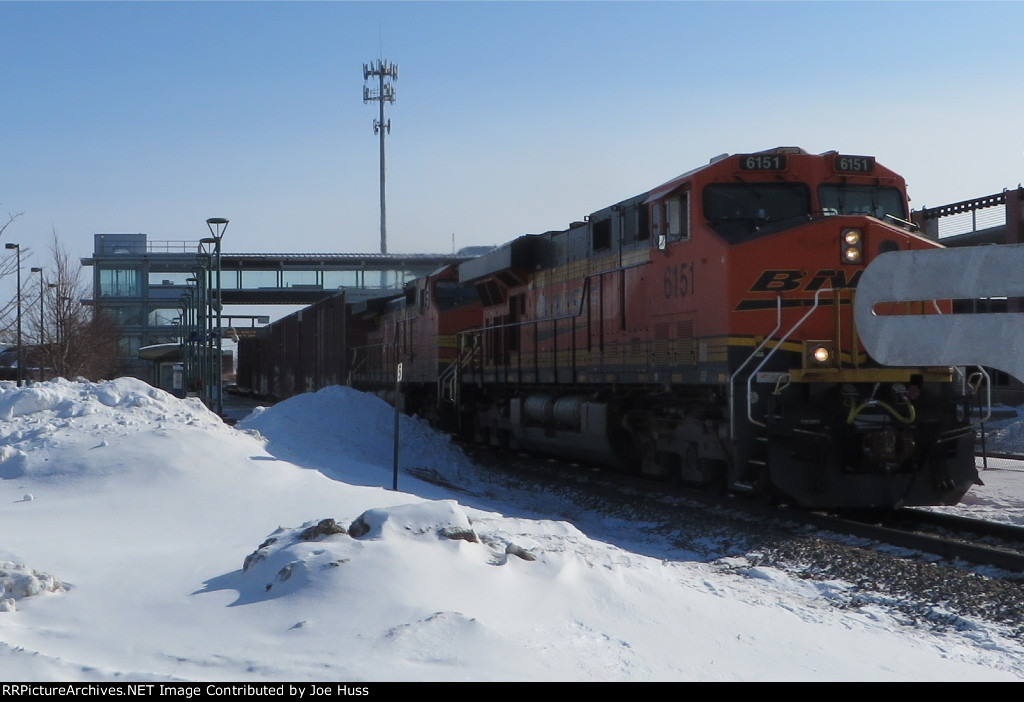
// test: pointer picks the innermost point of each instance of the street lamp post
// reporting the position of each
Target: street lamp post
(42, 321)
(206, 248)
(21, 372)
(62, 310)
(183, 342)
(217, 226)
(178, 369)
(197, 297)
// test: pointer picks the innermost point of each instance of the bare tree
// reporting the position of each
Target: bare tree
(11, 216)
(8, 266)
(72, 340)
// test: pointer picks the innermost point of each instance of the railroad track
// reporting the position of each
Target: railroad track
(954, 538)
(951, 537)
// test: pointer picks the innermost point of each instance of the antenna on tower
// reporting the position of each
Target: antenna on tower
(385, 73)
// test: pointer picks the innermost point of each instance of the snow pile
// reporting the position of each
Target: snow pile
(17, 581)
(64, 414)
(65, 400)
(310, 556)
(337, 429)
(164, 528)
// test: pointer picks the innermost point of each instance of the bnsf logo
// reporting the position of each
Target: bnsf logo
(780, 281)
(786, 280)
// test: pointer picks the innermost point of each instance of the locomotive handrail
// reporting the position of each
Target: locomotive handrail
(982, 377)
(753, 354)
(906, 224)
(584, 292)
(535, 323)
(778, 344)
(447, 381)
(578, 313)
(586, 287)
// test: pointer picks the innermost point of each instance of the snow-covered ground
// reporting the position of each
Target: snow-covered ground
(144, 540)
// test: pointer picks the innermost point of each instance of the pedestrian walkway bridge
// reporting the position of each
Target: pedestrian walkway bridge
(992, 219)
(128, 266)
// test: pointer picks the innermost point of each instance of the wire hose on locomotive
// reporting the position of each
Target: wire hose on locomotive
(856, 409)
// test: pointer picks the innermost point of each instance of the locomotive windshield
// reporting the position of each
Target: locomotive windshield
(450, 293)
(736, 211)
(862, 199)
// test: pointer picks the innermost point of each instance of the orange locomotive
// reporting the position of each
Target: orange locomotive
(417, 332)
(704, 332)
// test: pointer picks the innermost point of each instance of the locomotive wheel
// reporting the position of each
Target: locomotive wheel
(692, 470)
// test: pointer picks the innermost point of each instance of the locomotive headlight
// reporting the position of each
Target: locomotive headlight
(850, 241)
(818, 354)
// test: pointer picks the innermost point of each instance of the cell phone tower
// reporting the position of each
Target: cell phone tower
(385, 73)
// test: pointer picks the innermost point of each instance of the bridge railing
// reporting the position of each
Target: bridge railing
(967, 216)
(172, 246)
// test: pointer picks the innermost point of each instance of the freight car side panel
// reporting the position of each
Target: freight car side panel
(303, 352)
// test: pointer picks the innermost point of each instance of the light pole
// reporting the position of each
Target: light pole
(217, 226)
(200, 361)
(21, 372)
(188, 342)
(205, 305)
(42, 321)
(178, 369)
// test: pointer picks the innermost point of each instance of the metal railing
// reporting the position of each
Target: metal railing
(966, 216)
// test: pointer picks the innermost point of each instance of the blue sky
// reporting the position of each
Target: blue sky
(511, 117)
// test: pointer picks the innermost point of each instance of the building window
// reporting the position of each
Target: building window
(130, 346)
(120, 282)
(260, 279)
(169, 278)
(299, 279)
(163, 317)
(123, 315)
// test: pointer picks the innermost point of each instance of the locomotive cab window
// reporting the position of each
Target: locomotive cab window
(657, 219)
(677, 217)
(451, 293)
(601, 234)
(862, 199)
(633, 225)
(670, 220)
(741, 211)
